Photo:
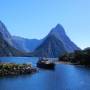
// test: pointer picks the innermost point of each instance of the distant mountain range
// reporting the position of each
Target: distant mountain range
(28, 45)
(54, 44)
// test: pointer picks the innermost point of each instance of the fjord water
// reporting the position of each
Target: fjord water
(64, 77)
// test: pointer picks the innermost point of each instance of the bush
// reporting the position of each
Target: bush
(79, 56)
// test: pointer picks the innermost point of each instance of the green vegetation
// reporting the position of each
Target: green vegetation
(81, 57)
(7, 69)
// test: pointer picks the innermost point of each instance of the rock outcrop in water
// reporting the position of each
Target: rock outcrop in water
(11, 69)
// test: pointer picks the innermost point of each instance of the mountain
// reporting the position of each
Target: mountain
(60, 33)
(7, 44)
(6, 49)
(51, 47)
(26, 45)
(55, 44)
(19, 43)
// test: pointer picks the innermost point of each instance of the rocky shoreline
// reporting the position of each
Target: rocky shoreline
(11, 69)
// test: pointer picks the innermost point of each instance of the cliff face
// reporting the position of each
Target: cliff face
(5, 34)
(8, 50)
(6, 43)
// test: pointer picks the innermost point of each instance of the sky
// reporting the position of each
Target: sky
(35, 18)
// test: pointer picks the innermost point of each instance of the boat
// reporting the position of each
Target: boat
(45, 64)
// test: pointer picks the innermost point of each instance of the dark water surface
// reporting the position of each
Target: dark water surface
(65, 77)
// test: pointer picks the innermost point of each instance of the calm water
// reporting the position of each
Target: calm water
(65, 77)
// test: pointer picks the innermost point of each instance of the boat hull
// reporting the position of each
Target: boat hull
(44, 65)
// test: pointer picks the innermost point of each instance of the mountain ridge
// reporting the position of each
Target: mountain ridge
(28, 45)
(50, 46)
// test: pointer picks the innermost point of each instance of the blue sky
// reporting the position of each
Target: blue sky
(35, 18)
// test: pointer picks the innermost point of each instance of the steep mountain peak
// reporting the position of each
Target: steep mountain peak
(6, 35)
(56, 43)
(60, 33)
(4, 30)
(58, 29)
